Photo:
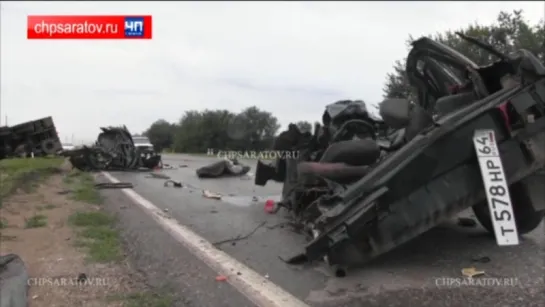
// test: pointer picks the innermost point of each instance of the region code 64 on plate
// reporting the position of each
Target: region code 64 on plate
(89, 27)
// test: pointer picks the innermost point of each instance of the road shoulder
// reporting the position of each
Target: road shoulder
(164, 262)
(55, 223)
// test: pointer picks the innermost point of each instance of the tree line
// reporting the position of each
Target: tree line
(199, 131)
(255, 129)
(509, 33)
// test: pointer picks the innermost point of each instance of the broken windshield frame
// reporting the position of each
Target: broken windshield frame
(443, 61)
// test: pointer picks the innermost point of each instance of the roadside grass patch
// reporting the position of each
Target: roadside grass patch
(71, 176)
(146, 299)
(26, 173)
(98, 236)
(3, 223)
(91, 219)
(36, 221)
(82, 185)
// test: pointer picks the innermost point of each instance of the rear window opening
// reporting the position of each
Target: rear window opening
(497, 76)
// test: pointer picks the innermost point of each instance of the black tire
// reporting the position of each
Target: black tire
(48, 147)
(527, 219)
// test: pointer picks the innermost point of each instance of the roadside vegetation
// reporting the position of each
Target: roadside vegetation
(25, 174)
(43, 202)
(36, 221)
(82, 187)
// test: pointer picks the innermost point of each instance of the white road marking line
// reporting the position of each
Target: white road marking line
(251, 284)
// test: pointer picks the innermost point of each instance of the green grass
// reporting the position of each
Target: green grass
(96, 229)
(90, 219)
(98, 236)
(146, 299)
(3, 223)
(83, 187)
(25, 173)
(36, 221)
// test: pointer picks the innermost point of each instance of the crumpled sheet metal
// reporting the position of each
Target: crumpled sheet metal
(113, 150)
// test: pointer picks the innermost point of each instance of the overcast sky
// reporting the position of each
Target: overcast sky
(287, 58)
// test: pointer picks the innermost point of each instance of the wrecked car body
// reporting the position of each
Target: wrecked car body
(355, 212)
(113, 150)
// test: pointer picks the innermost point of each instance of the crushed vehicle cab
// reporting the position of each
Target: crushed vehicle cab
(115, 149)
(432, 172)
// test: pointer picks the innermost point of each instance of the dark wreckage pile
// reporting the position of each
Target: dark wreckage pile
(358, 192)
(113, 150)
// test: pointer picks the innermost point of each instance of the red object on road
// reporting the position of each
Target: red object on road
(269, 206)
(221, 278)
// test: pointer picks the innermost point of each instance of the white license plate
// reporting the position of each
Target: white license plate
(496, 188)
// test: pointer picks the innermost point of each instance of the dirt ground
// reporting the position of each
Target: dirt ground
(37, 227)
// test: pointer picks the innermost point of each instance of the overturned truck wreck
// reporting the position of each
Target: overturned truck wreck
(113, 150)
(33, 138)
(360, 196)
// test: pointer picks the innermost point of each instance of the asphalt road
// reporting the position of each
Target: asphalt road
(415, 274)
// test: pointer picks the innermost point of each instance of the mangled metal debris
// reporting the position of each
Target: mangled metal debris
(113, 150)
(359, 193)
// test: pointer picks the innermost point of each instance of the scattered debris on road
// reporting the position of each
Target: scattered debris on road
(239, 237)
(270, 206)
(176, 184)
(221, 278)
(223, 168)
(112, 185)
(471, 272)
(210, 195)
(297, 259)
(158, 176)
